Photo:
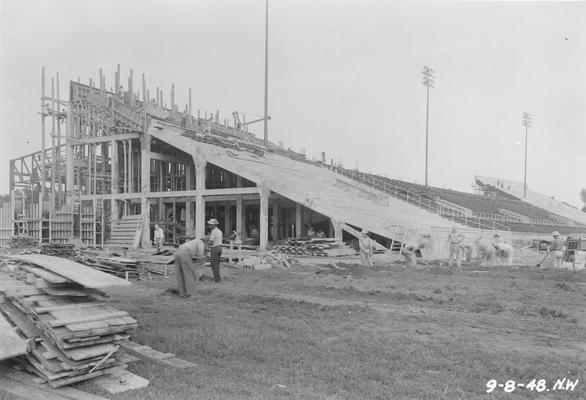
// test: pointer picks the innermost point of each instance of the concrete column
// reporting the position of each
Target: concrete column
(145, 188)
(189, 230)
(200, 205)
(337, 229)
(275, 220)
(239, 210)
(298, 220)
(188, 177)
(264, 193)
(227, 219)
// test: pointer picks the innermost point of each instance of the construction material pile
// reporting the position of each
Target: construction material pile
(313, 248)
(57, 306)
(22, 242)
(65, 250)
(268, 260)
(118, 266)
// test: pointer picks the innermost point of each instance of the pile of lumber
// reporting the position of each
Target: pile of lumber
(65, 250)
(57, 306)
(307, 247)
(22, 241)
(118, 266)
(268, 260)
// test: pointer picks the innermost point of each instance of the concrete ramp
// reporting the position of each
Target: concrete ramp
(317, 188)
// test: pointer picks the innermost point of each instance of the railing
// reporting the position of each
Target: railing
(514, 220)
(418, 200)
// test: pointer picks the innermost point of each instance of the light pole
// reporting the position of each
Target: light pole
(526, 122)
(266, 114)
(428, 81)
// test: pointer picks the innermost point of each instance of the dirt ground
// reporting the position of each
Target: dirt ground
(388, 332)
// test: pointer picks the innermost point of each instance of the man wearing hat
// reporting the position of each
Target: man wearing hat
(215, 244)
(556, 248)
(365, 247)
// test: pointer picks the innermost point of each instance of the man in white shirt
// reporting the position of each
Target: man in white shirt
(215, 244)
(159, 237)
(184, 269)
(455, 239)
(365, 246)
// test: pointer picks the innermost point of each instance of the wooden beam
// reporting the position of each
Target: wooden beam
(101, 139)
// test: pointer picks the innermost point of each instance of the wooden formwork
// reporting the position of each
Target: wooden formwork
(6, 224)
(34, 221)
(61, 224)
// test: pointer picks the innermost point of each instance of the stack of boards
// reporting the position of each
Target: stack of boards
(55, 303)
(311, 248)
(118, 266)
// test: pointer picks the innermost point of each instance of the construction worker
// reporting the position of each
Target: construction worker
(215, 244)
(184, 269)
(365, 248)
(486, 252)
(310, 232)
(504, 253)
(410, 250)
(158, 237)
(557, 250)
(455, 239)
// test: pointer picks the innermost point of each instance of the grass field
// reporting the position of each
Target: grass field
(386, 333)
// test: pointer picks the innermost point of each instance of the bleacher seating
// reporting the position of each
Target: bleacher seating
(489, 207)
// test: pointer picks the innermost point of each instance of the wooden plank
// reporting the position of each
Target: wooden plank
(45, 309)
(83, 353)
(26, 326)
(27, 392)
(84, 275)
(66, 392)
(89, 318)
(154, 355)
(11, 344)
(120, 380)
(69, 381)
(46, 275)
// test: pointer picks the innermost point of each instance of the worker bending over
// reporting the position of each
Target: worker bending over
(504, 253)
(486, 252)
(410, 250)
(184, 269)
(455, 239)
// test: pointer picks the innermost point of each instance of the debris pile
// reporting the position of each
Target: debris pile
(22, 242)
(65, 250)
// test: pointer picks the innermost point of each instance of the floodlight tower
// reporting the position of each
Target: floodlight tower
(266, 113)
(428, 81)
(526, 122)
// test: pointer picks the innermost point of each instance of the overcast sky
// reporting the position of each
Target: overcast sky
(344, 77)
